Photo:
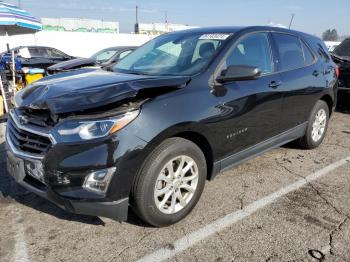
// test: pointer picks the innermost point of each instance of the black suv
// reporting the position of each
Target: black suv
(175, 112)
(341, 56)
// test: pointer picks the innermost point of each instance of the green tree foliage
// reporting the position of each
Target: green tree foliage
(330, 35)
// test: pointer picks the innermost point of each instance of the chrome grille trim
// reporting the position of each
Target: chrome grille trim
(13, 132)
(32, 129)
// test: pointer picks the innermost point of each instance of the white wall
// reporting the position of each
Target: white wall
(331, 44)
(79, 44)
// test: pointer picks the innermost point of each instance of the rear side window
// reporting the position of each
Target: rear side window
(290, 51)
(309, 57)
(253, 50)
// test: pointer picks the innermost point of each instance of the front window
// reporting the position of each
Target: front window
(173, 54)
(253, 50)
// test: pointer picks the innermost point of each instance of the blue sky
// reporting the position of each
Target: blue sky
(312, 16)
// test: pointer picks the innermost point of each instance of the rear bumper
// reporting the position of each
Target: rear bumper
(117, 210)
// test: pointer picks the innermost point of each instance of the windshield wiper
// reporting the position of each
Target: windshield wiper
(135, 73)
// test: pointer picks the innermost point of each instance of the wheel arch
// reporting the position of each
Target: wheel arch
(202, 142)
(329, 101)
(190, 132)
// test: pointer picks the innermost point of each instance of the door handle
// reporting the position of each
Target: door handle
(316, 73)
(275, 84)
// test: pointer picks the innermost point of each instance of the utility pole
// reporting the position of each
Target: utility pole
(137, 29)
(291, 21)
(166, 21)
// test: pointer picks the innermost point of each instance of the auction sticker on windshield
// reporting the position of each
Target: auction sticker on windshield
(214, 36)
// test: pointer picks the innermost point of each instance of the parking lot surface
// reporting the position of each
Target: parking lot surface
(286, 205)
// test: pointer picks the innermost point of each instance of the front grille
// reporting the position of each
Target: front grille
(26, 141)
(37, 117)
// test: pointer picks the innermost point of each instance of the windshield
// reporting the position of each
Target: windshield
(173, 54)
(343, 49)
(104, 55)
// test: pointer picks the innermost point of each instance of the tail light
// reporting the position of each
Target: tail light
(337, 71)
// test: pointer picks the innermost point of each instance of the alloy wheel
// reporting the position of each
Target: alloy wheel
(176, 184)
(319, 125)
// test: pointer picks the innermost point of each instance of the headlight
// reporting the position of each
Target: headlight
(76, 130)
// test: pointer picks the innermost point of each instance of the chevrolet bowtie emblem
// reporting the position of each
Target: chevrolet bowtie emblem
(23, 120)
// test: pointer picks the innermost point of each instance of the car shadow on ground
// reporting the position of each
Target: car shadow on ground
(11, 191)
(343, 110)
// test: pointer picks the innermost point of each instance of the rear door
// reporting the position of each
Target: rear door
(302, 78)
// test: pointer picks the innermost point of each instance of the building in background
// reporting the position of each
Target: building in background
(161, 28)
(79, 25)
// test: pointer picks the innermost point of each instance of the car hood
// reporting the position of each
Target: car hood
(88, 88)
(343, 62)
(343, 50)
(70, 64)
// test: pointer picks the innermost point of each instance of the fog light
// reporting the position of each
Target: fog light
(35, 169)
(98, 181)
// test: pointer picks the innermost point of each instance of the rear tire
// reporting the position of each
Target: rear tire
(317, 126)
(170, 182)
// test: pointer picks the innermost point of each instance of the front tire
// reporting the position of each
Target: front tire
(317, 126)
(170, 182)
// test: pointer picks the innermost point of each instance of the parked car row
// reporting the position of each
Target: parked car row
(41, 60)
(105, 58)
(40, 56)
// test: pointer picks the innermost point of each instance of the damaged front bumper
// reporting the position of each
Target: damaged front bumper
(59, 174)
(116, 210)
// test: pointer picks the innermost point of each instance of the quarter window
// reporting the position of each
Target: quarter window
(323, 54)
(309, 57)
(290, 51)
(253, 50)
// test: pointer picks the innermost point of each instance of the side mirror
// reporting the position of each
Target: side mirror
(239, 73)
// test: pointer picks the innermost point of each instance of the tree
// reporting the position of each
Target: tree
(330, 35)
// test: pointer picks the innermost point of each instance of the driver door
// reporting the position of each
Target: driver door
(252, 107)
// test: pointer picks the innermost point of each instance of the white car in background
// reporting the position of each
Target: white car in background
(331, 45)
